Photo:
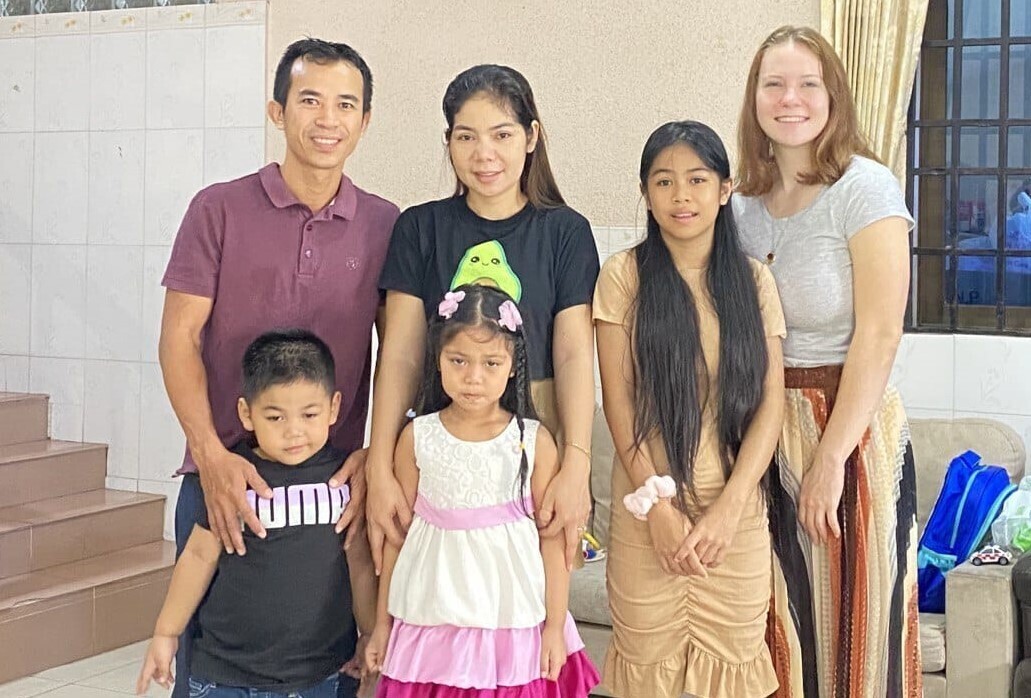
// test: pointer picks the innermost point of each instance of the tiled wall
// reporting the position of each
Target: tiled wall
(109, 123)
(967, 376)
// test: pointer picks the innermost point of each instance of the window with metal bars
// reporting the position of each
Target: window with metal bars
(969, 169)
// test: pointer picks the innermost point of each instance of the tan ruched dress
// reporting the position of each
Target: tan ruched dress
(673, 634)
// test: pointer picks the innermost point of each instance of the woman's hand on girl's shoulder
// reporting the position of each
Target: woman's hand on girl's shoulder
(668, 528)
(553, 650)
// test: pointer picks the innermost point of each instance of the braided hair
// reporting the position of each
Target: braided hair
(479, 311)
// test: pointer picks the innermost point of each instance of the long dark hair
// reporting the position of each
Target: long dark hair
(672, 386)
(511, 91)
(479, 311)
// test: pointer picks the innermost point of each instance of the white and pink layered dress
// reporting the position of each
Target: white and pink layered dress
(467, 594)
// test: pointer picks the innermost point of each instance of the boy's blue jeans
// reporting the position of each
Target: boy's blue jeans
(189, 510)
(200, 688)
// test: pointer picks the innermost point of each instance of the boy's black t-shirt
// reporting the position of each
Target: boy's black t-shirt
(280, 617)
(546, 259)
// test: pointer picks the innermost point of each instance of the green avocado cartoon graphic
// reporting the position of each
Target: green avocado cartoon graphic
(485, 264)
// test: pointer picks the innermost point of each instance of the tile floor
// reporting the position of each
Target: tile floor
(103, 676)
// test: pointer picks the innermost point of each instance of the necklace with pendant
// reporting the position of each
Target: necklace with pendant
(776, 236)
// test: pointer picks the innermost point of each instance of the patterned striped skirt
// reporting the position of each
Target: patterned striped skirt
(844, 620)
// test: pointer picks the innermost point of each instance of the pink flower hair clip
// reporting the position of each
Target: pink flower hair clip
(639, 503)
(449, 305)
(509, 316)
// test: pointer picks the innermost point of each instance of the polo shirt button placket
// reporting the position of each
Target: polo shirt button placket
(306, 263)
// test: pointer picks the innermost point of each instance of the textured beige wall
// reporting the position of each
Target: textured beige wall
(605, 74)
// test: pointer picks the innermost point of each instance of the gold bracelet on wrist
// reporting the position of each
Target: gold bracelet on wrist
(580, 448)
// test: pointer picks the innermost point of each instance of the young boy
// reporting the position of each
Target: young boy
(280, 618)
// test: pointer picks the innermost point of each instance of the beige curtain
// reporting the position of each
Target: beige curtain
(879, 42)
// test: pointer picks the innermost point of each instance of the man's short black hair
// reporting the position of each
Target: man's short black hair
(321, 52)
(282, 357)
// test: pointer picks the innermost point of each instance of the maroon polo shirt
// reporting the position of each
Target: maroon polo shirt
(268, 262)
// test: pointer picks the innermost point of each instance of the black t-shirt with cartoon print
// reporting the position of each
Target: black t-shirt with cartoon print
(546, 259)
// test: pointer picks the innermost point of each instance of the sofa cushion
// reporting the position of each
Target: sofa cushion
(588, 599)
(932, 641)
(937, 441)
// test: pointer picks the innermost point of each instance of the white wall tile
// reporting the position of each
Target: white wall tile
(114, 302)
(17, 84)
(62, 83)
(18, 26)
(175, 78)
(993, 374)
(119, 21)
(174, 173)
(112, 413)
(16, 185)
(236, 12)
(116, 188)
(231, 153)
(121, 483)
(65, 422)
(175, 17)
(234, 76)
(63, 380)
(62, 23)
(118, 69)
(14, 374)
(922, 413)
(601, 239)
(170, 488)
(155, 259)
(60, 191)
(58, 312)
(624, 238)
(162, 443)
(923, 371)
(15, 298)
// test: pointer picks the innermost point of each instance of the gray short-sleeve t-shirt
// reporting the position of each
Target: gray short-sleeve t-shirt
(810, 256)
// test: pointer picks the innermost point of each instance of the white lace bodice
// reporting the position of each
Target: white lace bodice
(457, 474)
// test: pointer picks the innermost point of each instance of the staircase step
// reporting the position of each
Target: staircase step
(58, 530)
(39, 470)
(23, 417)
(67, 612)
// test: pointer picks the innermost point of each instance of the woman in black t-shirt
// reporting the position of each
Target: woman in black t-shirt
(508, 226)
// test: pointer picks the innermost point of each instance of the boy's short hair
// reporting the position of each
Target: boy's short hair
(281, 357)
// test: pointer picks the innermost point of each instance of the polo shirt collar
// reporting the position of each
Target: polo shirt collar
(342, 205)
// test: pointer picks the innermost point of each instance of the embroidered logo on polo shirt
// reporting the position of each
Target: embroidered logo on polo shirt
(352, 263)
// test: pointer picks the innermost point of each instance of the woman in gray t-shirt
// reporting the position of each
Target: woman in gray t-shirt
(831, 223)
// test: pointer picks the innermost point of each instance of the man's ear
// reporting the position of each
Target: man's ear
(275, 113)
(334, 408)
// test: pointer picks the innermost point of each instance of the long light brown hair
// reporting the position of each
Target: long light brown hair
(831, 151)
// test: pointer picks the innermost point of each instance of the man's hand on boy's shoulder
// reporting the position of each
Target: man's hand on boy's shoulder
(352, 473)
(225, 477)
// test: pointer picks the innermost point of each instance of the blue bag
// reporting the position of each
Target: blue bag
(970, 499)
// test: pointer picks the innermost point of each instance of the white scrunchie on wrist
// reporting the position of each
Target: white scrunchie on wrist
(656, 487)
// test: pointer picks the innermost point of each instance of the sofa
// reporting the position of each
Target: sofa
(968, 651)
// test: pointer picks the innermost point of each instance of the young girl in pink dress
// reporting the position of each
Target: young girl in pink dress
(474, 605)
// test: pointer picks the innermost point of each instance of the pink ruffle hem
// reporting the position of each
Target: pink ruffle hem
(577, 678)
(469, 657)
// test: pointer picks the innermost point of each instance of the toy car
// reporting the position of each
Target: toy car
(991, 555)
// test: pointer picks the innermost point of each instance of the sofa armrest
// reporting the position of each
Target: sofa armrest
(981, 630)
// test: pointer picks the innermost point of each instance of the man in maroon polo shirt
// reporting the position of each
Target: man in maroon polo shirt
(293, 245)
